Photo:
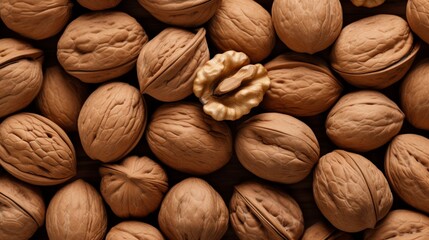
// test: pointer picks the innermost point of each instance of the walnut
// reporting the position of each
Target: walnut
(259, 211)
(193, 210)
(324, 231)
(367, 3)
(134, 230)
(99, 4)
(350, 191)
(36, 150)
(134, 187)
(229, 87)
(167, 64)
(416, 13)
(307, 26)
(76, 212)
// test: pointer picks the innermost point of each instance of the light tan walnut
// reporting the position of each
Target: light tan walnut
(229, 87)
(133, 230)
(96, 5)
(324, 231)
(367, 3)
(418, 19)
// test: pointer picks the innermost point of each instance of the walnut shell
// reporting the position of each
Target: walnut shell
(243, 26)
(406, 167)
(229, 87)
(61, 97)
(133, 188)
(36, 150)
(96, 5)
(133, 230)
(167, 65)
(307, 26)
(20, 74)
(258, 211)
(112, 121)
(99, 46)
(367, 3)
(301, 85)
(76, 212)
(193, 210)
(324, 231)
(36, 19)
(350, 191)
(277, 147)
(22, 210)
(418, 19)
(400, 224)
(186, 139)
(363, 121)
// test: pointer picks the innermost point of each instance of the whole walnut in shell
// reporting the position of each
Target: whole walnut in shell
(61, 97)
(258, 211)
(96, 5)
(112, 121)
(243, 26)
(167, 64)
(307, 26)
(277, 147)
(367, 3)
(22, 210)
(301, 85)
(193, 210)
(76, 212)
(350, 191)
(133, 188)
(324, 231)
(20, 74)
(134, 230)
(418, 18)
(100, 46)
(36, 150)
(36, 19)
(363, 121)
(186, 139)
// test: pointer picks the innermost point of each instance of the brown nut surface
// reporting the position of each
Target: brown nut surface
(301, 85)
(418, 19)
(76, 212)
(350, 191)
(99, 46)
(96, 5)
(363, 121)
(36, 150)
(22, 210)
(324, 231)
(243, 26)
(61, 97)
(400, 224)
(193, 210)
(167, 64)
(229, 87)
(186, 139)
(367, 3)
(133, 188)
(20, 74)
(133, 230)
(406, 167)
(36, 19)
(112, 121)
(307, 26)
(259, 211)
(277, 147)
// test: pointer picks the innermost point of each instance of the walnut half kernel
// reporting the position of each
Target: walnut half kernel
(229, 86)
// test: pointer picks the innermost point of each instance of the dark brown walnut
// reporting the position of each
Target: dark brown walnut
(36, 19)
(96, 5)
(324, 231)
(61, 97)
(363, 121)
(301, 85)
(307, 26)
(133, 230)
(350, 191)
(186, 139)
(406, 166)
(243, 26)
(367, 3)
(229, 87)
(262, 212)
(418, 19)
(20, 74)
(36, 150)
(76, 212)
(277, 147)
(100, 46)
(193, 210)
(133, 188)
(22, 210)
(112, 121)
(167, 65)
(182, 13)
